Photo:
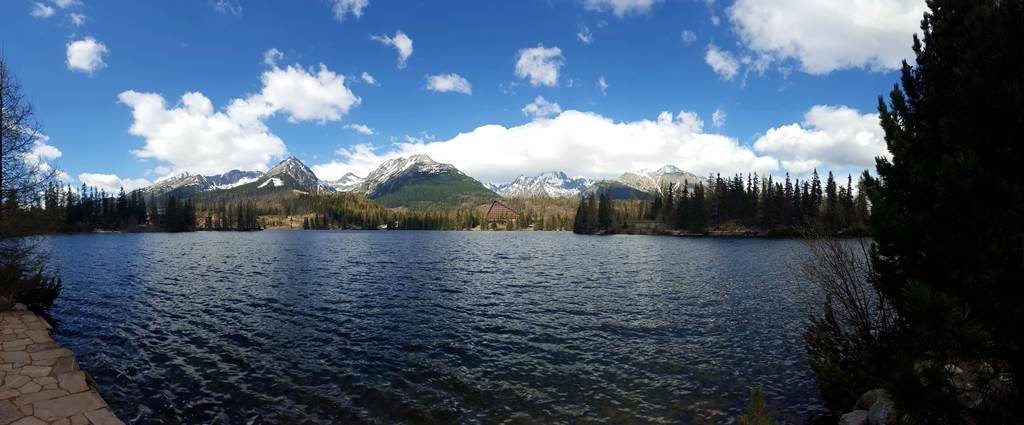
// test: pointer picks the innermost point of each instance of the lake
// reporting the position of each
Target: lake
(435, 327)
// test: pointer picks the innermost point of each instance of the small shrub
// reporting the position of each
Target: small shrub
(24, 278)
(757, 410)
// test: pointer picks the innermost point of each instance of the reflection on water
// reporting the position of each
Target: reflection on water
(434, 327)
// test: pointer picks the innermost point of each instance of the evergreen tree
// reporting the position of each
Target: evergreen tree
(604, 211)
(947, 216)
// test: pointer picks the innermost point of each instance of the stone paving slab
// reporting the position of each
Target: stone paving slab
(40, 382)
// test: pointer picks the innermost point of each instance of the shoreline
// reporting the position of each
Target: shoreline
(42, 383)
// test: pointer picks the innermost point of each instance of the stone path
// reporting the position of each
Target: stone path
(41, 382)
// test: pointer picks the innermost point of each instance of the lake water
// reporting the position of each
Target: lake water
(435, 327)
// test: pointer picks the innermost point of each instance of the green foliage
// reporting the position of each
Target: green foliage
(617, 191)
(24, 278)
(424, 191)
(946, 214)
(757, 410)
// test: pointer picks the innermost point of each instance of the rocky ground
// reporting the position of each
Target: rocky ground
(42, 383)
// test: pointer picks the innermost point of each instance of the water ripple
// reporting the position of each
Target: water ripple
(434, 327)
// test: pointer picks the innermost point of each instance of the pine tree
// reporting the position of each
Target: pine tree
(948, 212)
(604, 212)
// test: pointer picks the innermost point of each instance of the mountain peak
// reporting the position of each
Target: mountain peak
(421, 159)
(292, 167)
(668, 169)
(549, 184)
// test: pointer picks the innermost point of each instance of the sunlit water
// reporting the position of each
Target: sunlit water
(435, 327)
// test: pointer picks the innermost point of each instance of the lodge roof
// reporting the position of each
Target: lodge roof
(501, 212)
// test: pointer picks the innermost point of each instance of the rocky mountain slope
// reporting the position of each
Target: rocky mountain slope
(419, 180)
(552, 184)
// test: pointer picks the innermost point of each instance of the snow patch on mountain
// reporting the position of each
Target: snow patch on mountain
(347, 183)
(552, 184)
(652, 181)
(272, 182)
(395, 168)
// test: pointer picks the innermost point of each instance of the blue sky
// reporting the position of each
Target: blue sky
(795, 83)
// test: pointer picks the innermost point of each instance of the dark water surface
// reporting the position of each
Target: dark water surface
(434, 327)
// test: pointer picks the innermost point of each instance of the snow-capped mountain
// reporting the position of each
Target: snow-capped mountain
(651, 181)
(188, 184)
(552, 184)
(347, 183)
(288, 173)
(393, 170)
(182, 185)
(233, 178)
(292, 173)
(418, 180)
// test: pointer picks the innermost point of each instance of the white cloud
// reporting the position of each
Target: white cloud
(689, 37)
(306, 96)
(271, 56)
(603, 85)
(360, 128)
(541, 108)
(111, 183)
(718, 118)
(449, 83)
(579, 143)
(400, 42)
(620, 7)
(77, 19)
(192, 136)
(724, 64)
(368, 79)
(827, 36)
(830, 136)
(40, 10)
(346, 7)
(226, 7)
(584, 35)
(540, 65)
(40, 156)
(86, 55)
(64, 4)
(715, 20)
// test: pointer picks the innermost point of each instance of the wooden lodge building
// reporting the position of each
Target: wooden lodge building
(501, 215)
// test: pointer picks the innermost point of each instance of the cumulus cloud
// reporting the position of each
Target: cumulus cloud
(449, 83)
(348, 7)
(722, 62)
(40, 10)
(718, 118)
(191, 136)
(603, 85)
(540, 65)
(40, 156)
(541, 108)
(271, 56)
(579, 143)
(111, 183)
(401, 42)
(64, 4)
(308, 96)
(584, 35)
(360, 128)
(818, 34)
(688, 37)
(620, 7)
(86, 55)
(830, 136)
(368, 79)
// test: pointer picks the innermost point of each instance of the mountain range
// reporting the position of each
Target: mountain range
(418, 180)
